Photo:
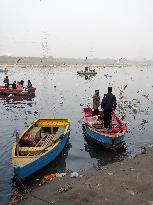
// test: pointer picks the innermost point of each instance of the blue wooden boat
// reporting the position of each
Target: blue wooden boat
(39, 145)
(94, 129)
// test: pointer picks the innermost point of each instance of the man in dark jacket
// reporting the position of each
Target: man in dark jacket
(6, 81)
(14, 85)
(108, 104)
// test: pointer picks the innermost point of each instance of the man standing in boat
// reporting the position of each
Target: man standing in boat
(6, 81)
(108, 104)
(96, 102)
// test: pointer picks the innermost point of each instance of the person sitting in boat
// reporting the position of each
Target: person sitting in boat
(96, 102)
(14, 85)
(86, 69)
(21, 83)
(6, 81)
(29, 84)
(108, 104)
(18, 86)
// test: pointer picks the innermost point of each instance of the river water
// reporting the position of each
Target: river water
(61, 93)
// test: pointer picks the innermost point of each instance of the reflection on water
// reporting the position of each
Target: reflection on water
(17, 98)
(61, 93)
(103, 155)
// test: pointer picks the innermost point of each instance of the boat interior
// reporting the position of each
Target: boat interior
(39, 137)
(97, 123)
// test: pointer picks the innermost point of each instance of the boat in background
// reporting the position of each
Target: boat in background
(87, 71)
(18, 91)
(39, 145)
(3, 70)
(94, 129)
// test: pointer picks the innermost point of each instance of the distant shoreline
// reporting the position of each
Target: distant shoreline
(59, 65)
(25, 62)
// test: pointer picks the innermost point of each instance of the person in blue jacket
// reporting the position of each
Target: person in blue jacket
(29, 84)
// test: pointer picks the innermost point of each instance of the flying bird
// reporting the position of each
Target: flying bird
(19, 60)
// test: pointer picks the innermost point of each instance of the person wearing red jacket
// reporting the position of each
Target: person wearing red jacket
(96, 102)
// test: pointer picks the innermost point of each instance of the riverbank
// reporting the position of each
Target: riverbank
(126, 182)
(61, 65)
(51, 62)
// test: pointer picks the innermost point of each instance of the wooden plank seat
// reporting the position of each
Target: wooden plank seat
(30, 150)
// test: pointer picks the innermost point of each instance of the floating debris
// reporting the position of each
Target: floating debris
(60, 175)
(74, 174)
(131, 192)
(13, 202)
(110, 173)
(143, 150)
(146, 96)
(64, 188)
(50, 177)
(107, 75)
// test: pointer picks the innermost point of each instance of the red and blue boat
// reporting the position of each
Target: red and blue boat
(94, 129)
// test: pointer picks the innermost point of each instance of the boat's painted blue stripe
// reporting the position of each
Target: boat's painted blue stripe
(23, 172)
(103, 139)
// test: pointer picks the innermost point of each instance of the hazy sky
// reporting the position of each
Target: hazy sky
(77, 28)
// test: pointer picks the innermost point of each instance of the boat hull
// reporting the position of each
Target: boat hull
(102, 139)
(86, 73)
(9, 91)
(3, 71)
(24, 172)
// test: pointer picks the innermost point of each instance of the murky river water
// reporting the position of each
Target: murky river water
(61, 93)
